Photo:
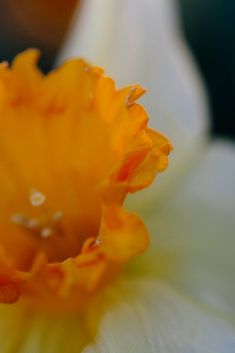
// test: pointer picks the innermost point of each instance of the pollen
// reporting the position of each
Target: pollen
(57, 216)
(73, 147)
(37, 198)
(18, 219)
(46, 232)
(31, 223)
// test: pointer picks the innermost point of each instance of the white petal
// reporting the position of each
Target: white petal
(150, 317)
(194, 231)
(140, 41)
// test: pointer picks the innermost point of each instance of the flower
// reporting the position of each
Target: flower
(73, 147)
(144, 313)
(190, 211)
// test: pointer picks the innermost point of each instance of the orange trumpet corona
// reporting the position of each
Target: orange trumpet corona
(72, 147)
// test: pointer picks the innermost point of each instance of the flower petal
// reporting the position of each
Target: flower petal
(141, 41)
(93, 142)
(122, 235)
(27, 332)
(150, 317)
(194, 232)
(143, 315)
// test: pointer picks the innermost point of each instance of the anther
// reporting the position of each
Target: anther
(32, 223)
(36, 198)
(46, 232)
(18, 219)
(57, 216)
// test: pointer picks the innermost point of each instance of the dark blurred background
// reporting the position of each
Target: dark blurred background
(34, 23)
(210, 31)
(209, 27)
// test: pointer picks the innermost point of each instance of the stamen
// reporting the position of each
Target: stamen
(43, 226)
(46, 232)
(36, 198)
(21, 220)
(57, 216)
(18, 219)
(32, 223)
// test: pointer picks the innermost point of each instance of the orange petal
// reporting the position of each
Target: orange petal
(122, 235)
(9, 292)
(160, 141)
(135, 92)
(84, 144)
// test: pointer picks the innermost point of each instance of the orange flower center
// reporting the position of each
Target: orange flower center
(57, 231)
(72, 147)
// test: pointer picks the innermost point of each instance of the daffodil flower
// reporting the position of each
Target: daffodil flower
(190, 211)
(72, 147)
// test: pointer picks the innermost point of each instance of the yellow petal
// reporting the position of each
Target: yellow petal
(141, 316)
(120, 227)
(27, 332)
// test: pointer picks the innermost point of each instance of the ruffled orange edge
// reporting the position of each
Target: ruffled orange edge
(123, 235)
(71, 283)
